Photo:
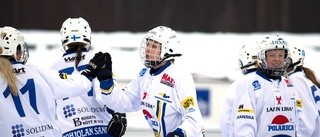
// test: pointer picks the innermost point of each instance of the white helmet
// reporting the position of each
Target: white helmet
(12, 43)
(297, 57)
(75, 30)
(168, 40)
(271, 43)
(248, 57)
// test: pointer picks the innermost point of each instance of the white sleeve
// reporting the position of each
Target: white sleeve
(226, 110)
(119, 99)
(245, 124)
(307, 112)
(192, 123)
(70, 86)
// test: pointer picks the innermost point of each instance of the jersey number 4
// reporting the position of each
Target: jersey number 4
(29, 86)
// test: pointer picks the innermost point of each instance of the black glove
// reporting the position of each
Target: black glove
(117, 125)
(94, 65)
(173, 134)
(106, 71)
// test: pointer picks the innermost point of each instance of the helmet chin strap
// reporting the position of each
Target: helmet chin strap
(151, 64)
(268, 73)
(248, 65)
(171, 55)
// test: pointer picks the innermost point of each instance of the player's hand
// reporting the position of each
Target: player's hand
(173, 134)
(94, 65)
(106, 71)
(117, 125)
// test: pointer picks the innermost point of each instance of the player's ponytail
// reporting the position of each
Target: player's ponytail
(6, 72)
(310, 75)
(78, 57)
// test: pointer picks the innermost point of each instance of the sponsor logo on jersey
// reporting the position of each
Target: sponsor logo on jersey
(63, 75)
(146, 104)
(256, 85)
(92, 109)
(69, 110)
(71, 59)
(167, 80)
(278, 100)
(281, 123)
(245, 111)
(188, 102)
(241, 109)
(142, 72)
(86, 120)
(88, 131)
(293, 97)
(274, 109)
(245, 117)
(144, 95)
(299, 104)
(288, 83)
(240, 106)
(152, 121)
(19, 70)
(163, 97)
(191, 109)
(19, 131)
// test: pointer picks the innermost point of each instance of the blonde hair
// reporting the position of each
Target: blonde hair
(6, 72)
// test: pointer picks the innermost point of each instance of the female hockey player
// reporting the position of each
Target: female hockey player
(248, 63)
(164, 91)
(29, 92)
(308, 90)
(265, 101)
(83, 113)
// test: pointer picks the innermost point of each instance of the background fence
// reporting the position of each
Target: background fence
(182, 15)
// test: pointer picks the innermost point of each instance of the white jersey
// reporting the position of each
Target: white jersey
(309, 98)
(167, 99)
(226, 121)
(81, 115)
(264, 107)
(32, 112)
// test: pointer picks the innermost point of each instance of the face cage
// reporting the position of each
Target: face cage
(275, 71)
(143, 55)
(25, 54)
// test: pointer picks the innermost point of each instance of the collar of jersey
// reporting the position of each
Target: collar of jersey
(161, 69)
(265, 76)
(297, 70)
(12, 61)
